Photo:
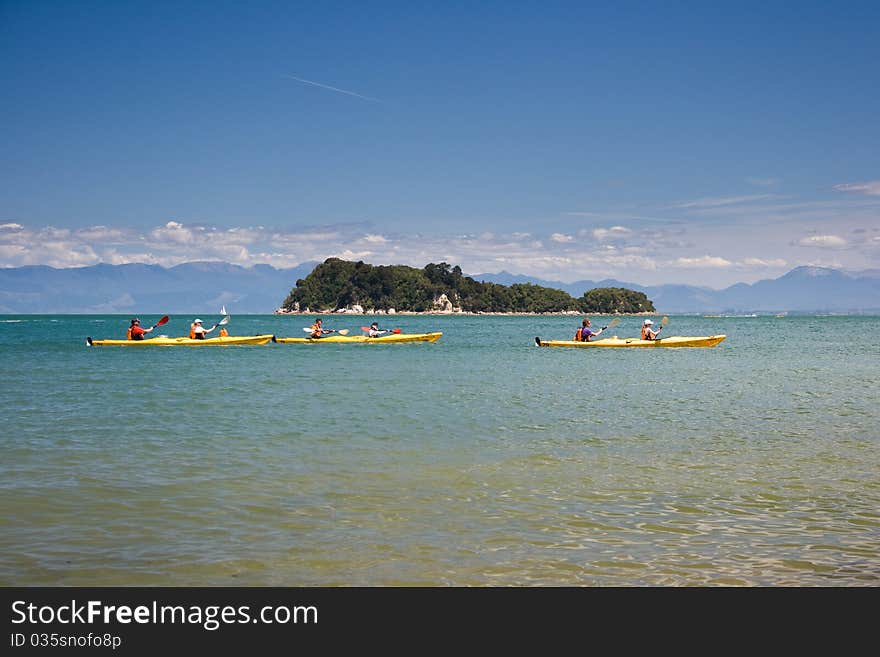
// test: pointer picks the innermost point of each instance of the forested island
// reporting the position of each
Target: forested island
(341, 284)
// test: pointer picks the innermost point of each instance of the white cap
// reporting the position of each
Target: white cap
(648, 321)
(197, 321)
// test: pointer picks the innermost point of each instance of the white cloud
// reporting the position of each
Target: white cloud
(761, 262)
(173, 232)
(614, 232)
(702, 262)
(348, 254)
(113, 257)
(13, 252)
(871, 187)
(823, 241)
(742, 250)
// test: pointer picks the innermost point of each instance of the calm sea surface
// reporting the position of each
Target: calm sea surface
(478, 460)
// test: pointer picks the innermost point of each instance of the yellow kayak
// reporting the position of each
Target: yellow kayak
(672, 341)
(183, 342)
(361, 339)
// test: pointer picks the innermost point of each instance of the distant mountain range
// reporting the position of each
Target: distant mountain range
(202, 287)
(193, 287)
(804, 289)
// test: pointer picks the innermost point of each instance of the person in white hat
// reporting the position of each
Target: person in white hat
(199, 332)
(647, 332)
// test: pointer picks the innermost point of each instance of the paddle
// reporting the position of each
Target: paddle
(614, 323)
(340, 331)
(663, 322)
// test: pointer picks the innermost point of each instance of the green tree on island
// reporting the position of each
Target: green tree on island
(615, 300)
(339, 283)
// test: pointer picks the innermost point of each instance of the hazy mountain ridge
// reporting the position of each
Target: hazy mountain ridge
(202, 287)
(803, 289)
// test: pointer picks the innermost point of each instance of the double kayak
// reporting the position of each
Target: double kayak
(362, 339)
(672, 341)
(183, 342)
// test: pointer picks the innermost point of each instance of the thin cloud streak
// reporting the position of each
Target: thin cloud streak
(336, 89)
(727, 200)
(871, 188)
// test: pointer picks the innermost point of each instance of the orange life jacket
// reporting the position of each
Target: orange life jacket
(128, 334)
(192, 332)
(223, 333)
(577, 335)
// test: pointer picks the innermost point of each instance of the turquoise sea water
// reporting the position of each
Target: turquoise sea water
(478, 460)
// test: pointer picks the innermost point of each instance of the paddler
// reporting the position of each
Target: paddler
(374, 330)
(199, 332)
(318, 330)
(647, 332)
(135, 332)
(585, 333)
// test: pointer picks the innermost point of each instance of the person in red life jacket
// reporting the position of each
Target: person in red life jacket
(135, 332)
(585, 333)
(199, 332)
(647, 332)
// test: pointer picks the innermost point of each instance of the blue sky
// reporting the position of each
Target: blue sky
(651, 142)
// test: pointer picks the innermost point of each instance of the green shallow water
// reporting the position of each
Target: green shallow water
(478, 460)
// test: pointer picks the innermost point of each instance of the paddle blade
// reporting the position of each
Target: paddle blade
(342, 332)
(223, 321)
(664, 321)
(162, 321)
(614, 322)
(307, 330)
(395, 330)
(365, 328)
